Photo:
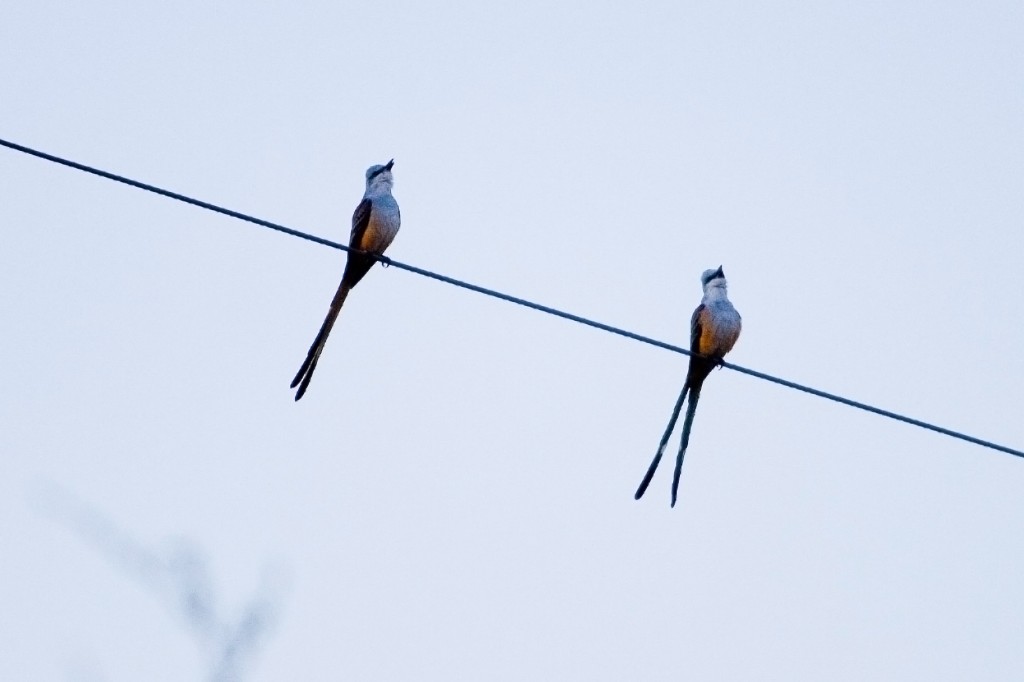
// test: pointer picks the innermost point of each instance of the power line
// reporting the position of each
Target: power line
(507, 297)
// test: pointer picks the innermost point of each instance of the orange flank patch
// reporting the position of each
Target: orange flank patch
(706, 344)
(711, 343)
(370, 238)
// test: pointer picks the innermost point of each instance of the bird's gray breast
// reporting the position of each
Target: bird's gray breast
(726, 323)
(385, 220)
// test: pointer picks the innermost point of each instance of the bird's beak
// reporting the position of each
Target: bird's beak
(719, 273)
(389, 164)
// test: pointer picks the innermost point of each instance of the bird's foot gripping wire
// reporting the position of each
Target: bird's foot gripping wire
(385, 262)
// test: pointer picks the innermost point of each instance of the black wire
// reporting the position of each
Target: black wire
(511, 299)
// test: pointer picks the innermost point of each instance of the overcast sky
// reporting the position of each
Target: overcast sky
(453, 498)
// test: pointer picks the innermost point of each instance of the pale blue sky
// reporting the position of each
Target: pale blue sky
(453, 498)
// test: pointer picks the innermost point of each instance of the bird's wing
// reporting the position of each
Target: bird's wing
(696, 330)
(700, 338)
(360, 221)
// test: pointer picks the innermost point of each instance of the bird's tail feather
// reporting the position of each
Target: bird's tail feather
(661, 446)
(691, 409)
(305, 372)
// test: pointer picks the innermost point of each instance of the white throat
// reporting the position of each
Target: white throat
(379, 184)
(715, 291)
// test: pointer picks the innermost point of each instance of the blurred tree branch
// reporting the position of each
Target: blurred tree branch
(181, 578)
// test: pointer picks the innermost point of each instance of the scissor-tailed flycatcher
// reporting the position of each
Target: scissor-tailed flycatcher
(714, 328)
(374, 226)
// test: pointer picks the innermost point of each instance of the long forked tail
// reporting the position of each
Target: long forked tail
(691, 409)
(305, 372)
(661, 446)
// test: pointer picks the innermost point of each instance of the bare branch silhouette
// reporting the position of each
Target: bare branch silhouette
(181, 578)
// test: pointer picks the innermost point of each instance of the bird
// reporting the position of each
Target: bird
(714, 329)
(375, 223)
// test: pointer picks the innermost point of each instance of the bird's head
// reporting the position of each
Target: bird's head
(380, 176)
(713, 278)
